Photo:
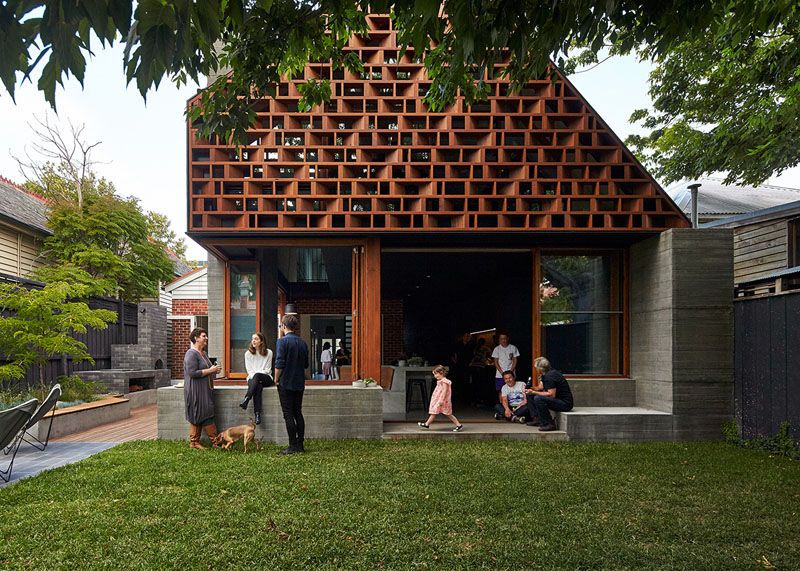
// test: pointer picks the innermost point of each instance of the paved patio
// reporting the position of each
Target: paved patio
(141, 425)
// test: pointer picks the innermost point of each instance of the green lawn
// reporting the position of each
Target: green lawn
(409, 505)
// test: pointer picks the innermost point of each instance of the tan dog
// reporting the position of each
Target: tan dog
(244, 432)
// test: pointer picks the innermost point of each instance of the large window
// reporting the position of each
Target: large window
(581, 313)
(243, 312)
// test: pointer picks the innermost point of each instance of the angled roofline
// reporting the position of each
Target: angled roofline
(780, 211)
(619, 141)
(185, 278)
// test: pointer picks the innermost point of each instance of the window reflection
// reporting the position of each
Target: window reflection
(581, 313)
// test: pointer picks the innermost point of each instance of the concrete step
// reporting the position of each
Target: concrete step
(616, 424)
(614, 391)
(472, 431)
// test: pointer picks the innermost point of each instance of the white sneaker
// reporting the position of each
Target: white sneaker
(458, 428)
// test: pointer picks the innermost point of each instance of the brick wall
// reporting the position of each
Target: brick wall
(189, 307)
(391, 309)
(180, 343)
(323, 306)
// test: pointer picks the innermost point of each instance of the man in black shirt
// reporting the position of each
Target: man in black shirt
(552, 393)
(291, 361)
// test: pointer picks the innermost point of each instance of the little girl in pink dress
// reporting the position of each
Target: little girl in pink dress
(441, 400)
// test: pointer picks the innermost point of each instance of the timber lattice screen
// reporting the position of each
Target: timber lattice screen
(374, 158)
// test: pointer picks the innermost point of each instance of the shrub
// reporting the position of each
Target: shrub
(73, 388)
(780, 444)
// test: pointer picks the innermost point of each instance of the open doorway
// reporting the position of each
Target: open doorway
(430, 299)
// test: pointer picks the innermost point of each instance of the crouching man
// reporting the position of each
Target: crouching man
(513, 402)
(552, 393)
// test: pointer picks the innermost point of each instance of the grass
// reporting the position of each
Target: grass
(409, 505)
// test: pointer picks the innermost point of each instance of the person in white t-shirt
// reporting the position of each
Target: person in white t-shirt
(505, 358)
(512, 399)
(258, 364)
(327, 360)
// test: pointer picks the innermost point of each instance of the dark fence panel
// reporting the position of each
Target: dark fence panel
(98, 342)
(767, 364)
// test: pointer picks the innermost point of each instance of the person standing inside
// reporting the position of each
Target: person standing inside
(478, 375)
(441, 400)
(342, 358)
(291, 362)
(198, 389)
(326, 358)
(553, 394)
(461, 357)
(258, 364)
(505, 357)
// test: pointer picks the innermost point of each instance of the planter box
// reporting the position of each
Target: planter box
(85, 416)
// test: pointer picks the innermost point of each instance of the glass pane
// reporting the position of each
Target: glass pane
(582, 343)
(243, 288)
(581, 313)
(577, 283)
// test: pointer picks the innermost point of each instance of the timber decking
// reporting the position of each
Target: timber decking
(140, 425)
(373, 158)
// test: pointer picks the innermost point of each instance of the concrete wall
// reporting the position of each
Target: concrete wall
(682, 328)
(216, 315)
(330, 412)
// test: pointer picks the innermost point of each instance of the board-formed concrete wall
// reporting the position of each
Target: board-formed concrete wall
(330, 412)
(681, 315)
(216, 309)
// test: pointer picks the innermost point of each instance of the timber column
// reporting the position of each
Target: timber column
(371, 309)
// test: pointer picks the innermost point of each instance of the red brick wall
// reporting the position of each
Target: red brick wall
(392, 310)
(180, 343)
(189, 307)
(323, 306)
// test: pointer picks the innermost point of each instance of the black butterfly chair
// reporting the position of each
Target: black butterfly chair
(12, 422)
(47, 405)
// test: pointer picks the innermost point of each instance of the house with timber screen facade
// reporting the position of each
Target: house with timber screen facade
(393, 230)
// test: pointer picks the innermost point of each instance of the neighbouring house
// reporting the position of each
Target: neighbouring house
(188, 296)
(23, 227)
(766, 269)
(394, 230)
(766, 249)
(717, 200)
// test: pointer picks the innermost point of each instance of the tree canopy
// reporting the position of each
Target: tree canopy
(459, 41)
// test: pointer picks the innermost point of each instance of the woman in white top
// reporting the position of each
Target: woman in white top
(327, 360)
(258, 363)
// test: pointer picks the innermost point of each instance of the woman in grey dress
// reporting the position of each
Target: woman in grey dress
(198, 389)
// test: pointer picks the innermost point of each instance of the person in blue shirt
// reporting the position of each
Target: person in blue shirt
(291, 362)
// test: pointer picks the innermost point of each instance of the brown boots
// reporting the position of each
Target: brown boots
(194, 437)
(211, 432)
(195, 431)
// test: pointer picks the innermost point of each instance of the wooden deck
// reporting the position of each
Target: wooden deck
(141, 425)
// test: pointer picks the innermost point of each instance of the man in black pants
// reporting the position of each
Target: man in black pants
(552, 394)
(291, 361)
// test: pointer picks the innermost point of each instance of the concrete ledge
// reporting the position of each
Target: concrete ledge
(616, 424)
(85, 416)
(143, 398)
(331, 412)
(613, 392)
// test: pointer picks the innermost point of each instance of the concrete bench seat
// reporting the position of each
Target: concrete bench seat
(616, 424)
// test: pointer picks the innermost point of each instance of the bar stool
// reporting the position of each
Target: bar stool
(424, 399)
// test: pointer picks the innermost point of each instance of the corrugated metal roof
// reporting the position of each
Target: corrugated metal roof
(22, 207)
(716, 199)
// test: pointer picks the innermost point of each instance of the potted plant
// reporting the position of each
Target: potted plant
(370, 382)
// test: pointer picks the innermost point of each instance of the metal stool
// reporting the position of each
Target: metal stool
(424, 399)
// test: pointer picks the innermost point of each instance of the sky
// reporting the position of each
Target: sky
(143, 150)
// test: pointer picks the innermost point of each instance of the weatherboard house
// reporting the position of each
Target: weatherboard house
(392, 230)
